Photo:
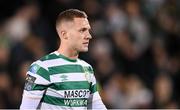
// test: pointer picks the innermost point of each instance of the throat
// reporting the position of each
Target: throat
(71, 54)
(74, 55)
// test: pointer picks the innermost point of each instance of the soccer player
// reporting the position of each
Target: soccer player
(60, 80)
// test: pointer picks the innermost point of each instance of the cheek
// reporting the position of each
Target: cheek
(74, 41)
(76, 38)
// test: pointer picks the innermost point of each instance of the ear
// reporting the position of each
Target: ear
(64, 34)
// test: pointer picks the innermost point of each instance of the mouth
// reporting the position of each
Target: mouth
(86, 43)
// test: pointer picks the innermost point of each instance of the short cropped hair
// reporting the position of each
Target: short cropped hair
(69, 15)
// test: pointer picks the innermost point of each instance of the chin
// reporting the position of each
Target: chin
(84, 50)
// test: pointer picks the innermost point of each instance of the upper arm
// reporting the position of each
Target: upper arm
(37, 81)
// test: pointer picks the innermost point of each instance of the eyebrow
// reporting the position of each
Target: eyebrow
(84, 29)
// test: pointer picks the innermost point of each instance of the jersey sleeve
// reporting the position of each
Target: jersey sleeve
(37, 81)
(94, 101)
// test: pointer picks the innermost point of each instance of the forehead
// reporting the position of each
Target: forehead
(81, 22)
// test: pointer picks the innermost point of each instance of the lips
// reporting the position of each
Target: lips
(86, 43)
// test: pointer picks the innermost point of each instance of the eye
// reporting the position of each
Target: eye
(82, 30)
(90, 31)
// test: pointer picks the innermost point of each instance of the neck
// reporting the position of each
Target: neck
(70, 53)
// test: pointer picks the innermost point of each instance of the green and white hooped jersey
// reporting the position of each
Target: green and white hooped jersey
(60, 83)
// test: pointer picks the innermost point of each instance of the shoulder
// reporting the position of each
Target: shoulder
(40, 67)
(84, 63)
(41, 62)
(39, 72)
(49, 56)
(48, 61)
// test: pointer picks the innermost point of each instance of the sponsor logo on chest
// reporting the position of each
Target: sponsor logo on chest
(76, 93)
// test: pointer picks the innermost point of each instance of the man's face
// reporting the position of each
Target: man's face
(78, 35)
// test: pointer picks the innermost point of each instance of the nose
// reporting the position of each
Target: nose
(88, 36)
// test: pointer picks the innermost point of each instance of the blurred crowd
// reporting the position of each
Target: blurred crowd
(135, 50)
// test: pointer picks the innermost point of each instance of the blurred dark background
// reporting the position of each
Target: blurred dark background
(135, 50)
